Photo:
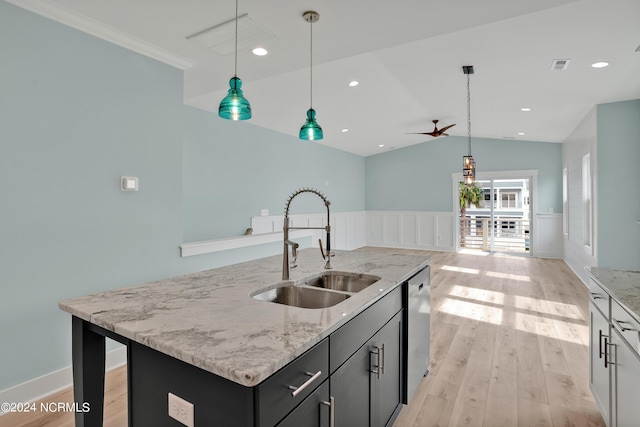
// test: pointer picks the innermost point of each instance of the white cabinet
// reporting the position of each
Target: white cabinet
(625, 408)
(599, 371)
(614, 362)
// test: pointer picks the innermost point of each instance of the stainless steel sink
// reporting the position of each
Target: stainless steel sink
(341, 281)
(301, 297)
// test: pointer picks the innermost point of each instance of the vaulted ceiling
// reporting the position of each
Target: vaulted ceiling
(407, 56)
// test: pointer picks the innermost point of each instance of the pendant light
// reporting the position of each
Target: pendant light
(235, 106)
(311, 130)
(468, 164)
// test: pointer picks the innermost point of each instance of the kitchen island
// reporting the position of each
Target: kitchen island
(203, 332)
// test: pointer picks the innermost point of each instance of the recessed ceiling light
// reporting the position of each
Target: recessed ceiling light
(354, 83)
(520, 133)
(525, 109)
(381, 145)
(345, 130)
(259, 51)
(600, 64)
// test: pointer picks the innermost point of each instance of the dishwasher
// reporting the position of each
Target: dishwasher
(417, 296)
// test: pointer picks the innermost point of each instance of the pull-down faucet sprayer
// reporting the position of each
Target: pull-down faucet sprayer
(294, 246)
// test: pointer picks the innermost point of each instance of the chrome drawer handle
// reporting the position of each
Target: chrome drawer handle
(332, 410)
(601, 335)
(298, 390)
(606, 353)
(379, 352)
(619, 323)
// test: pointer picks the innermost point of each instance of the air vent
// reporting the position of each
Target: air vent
(221, 37)
(560, 64)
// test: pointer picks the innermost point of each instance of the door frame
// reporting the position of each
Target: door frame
(532, 174)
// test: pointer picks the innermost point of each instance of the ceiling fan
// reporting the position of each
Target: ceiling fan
(436, 132)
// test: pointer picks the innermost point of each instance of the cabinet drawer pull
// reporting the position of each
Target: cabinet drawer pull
(379, 352)
(606, 353)
(332, 410)
(596, 296)
(297, 390)
(618, 324)
(601, 336)
(378, 365)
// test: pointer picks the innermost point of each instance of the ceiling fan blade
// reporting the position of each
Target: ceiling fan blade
(419, 133)
(446, 127)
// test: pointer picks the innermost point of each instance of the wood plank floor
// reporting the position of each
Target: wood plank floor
(509, 347)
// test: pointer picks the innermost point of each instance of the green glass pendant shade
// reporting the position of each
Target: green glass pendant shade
(235, 106)
(311, 130)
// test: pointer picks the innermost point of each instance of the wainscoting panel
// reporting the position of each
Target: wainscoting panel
(548, 241)
(412, 230)
(347, 228)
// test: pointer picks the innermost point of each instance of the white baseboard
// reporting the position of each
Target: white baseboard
(53, 382)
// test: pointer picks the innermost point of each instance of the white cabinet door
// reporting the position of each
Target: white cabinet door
(626, 383)
(598, 372)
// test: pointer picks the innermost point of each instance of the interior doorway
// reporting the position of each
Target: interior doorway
(502, 220)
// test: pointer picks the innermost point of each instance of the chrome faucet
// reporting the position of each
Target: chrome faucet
(294, 246)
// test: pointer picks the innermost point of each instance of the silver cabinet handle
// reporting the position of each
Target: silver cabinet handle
(619, 323)
(601, 335)
(297, 390)
(332, 410)
(379, 352)
(606, 353)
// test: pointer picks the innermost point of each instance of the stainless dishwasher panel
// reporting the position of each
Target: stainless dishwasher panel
(417, 335)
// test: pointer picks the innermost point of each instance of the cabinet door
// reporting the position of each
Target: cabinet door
(312, 412)
(598, 372)
(350, 389)
(386, 388)
(625, 384)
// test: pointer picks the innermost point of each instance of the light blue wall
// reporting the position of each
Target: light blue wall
(78, 113)
(418, 178)
(232, 170)
(618, 207)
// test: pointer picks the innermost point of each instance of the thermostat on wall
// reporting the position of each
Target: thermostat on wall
(129, 183)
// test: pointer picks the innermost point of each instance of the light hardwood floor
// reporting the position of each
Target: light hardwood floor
(509, 347)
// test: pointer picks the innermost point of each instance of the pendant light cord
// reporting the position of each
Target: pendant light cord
(469, 114)
(311, 65)
(235, 65)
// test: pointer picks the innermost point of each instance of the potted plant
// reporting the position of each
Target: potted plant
(469, 195)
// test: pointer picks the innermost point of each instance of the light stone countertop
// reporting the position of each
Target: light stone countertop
(622, 285)
(209, 319)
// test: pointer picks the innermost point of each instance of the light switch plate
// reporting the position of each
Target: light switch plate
(128, 183)
(181, 410)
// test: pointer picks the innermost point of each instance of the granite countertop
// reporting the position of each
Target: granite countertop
(622, 285)
(209, 319)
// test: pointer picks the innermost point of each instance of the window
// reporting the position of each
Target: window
(587, 202)
(565, 202)
(508, 200)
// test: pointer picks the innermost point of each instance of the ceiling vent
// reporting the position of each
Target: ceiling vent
(221, 37)
(560, 64)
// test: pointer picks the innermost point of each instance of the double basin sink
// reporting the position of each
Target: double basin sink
(319, 291)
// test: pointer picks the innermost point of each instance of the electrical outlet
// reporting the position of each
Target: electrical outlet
(181, 410)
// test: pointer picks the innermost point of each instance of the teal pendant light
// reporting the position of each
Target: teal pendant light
(235, 106)
(311, 130)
